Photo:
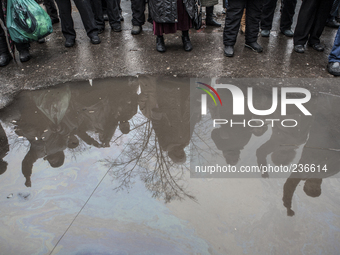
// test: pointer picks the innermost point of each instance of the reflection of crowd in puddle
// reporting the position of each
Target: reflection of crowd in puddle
(167, 104)
(319, 135)
(321, 149)
(231, 140)
(53, 120)
(4, 148)
(57, 119)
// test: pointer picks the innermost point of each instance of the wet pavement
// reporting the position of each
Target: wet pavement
(104, 166)
(121, 54)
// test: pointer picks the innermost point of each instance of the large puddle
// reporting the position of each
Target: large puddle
(106, 167)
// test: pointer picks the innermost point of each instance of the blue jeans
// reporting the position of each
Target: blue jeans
(334, 56)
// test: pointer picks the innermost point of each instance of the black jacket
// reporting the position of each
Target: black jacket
(165, 11)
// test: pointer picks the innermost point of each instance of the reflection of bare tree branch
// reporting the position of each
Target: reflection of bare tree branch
(143, 157)
(120, 136)
(200, 149)
(17, 142)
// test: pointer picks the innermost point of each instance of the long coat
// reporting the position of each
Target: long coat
(165, 11)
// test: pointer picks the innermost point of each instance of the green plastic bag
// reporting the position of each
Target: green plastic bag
(27, 21)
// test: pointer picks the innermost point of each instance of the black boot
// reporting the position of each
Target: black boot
(24, 55)
(160, 46)
(186, 41)
(209, 20)
(5, 58)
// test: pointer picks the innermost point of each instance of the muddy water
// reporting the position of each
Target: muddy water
(103, 167)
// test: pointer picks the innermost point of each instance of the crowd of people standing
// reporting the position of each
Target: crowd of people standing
(169, 16)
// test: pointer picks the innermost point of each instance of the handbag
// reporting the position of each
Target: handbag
(197, 20)
(27, 21)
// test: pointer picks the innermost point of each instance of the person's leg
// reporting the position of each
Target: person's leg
(287, 14)
(209, 20)
(267, 14)
(232, 21)
(22, 46)
(51, 10)
(305, 21)
(253, 18)
(5, 56)
(334, 57)
(335, 8)
(138, 16)
(186, 41)
(158, 31)
(232, 25)
(138, 9)
(65, 14)
(24, 54)
(184, 24)
(321, 16)
(97, 9)
(104, 8)
(87, 17)
(114, 15)
(3, 43)
(332, 18)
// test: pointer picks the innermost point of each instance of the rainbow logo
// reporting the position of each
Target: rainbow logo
(209, 93)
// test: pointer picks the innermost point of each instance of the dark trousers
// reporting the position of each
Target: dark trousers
(138, 9)
(311, 21)
(112, 10)
(3, 44)
(104, 7)
(233, 19)
(225, 3)
(86, 14)
(335, 10)
(287, 14)
(51, 9)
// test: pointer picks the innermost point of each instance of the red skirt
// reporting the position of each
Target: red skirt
(183, 24)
